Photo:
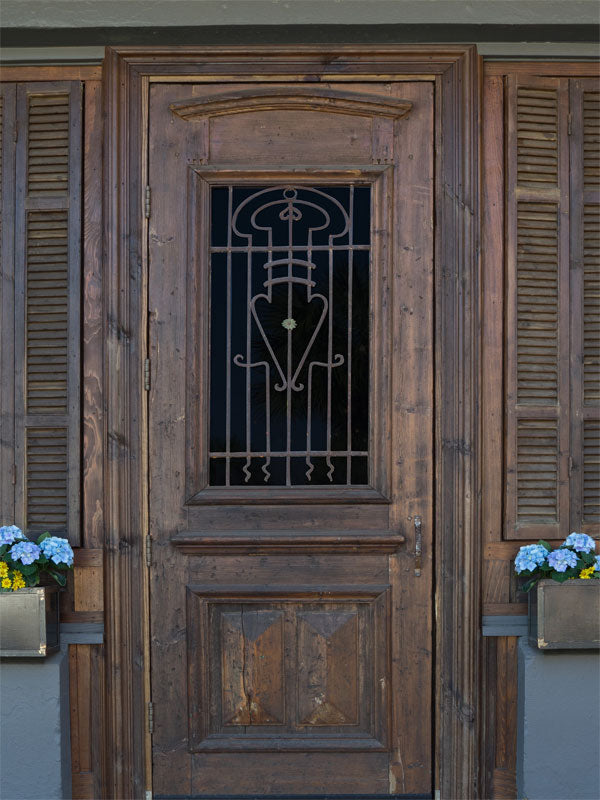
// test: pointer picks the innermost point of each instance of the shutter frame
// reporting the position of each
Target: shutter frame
(48, 443)
(585, 294)
(7, 357)
(529, 119)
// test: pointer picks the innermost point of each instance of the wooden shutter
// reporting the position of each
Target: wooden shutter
(7, 361)
(47, 307)
(537, 335)
(585, 294)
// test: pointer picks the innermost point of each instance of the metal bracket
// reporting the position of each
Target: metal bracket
(418, 546)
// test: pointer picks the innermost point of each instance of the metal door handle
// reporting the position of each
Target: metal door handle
(418, 546)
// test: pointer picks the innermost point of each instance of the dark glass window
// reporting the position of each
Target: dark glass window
(289, 335)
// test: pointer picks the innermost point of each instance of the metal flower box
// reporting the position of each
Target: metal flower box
(29, 622)
(565, 616)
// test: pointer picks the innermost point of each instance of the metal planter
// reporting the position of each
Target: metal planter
(29, 622)
(565, 616)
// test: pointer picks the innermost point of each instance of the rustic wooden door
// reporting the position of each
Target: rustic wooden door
(290, 438)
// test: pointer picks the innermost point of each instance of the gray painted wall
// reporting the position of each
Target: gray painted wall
(35, 759)
(558, 754)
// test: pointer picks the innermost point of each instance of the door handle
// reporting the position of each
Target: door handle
(418, 546)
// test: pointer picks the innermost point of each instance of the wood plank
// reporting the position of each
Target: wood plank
(550, 68)
(92, 327)
(7, 295)
(51, 73)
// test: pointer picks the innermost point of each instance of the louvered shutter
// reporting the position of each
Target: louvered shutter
(537, 285)
(47, 307)
(7, 360)
(585, 294)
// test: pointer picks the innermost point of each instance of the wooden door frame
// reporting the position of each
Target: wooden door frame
(455, 69)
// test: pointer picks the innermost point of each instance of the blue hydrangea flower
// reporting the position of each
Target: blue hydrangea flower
(57, 550)
(561, 559)
(530, 557)
(25, 552)
(580, 542)
(10, 534)
(597, 564)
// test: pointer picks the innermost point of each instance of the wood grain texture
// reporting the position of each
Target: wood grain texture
(456, 126)
(324, 643)
(92, 328)
(500, 750)
(7, 299)
(86, 664)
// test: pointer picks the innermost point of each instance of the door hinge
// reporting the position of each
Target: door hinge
(147, 203)
(148, 551)
(147, 374)
(569, 123)
(150, 718)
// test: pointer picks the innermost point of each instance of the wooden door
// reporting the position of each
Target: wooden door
(290, 438)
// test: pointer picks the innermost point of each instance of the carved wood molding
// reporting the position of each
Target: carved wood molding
(454, 68)
(259, 542)
(291, 98)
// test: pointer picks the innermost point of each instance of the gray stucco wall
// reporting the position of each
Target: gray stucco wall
(558, 753)
(34, 728)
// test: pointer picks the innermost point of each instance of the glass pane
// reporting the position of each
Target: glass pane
(289, 335)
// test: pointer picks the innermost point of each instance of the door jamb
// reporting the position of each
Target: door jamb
(456, 70)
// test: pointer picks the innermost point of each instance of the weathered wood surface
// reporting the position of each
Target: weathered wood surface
(294, 655)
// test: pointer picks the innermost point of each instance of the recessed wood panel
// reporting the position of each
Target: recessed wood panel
(252, 671)
(280, 669)
(273, 137)
(328, 668)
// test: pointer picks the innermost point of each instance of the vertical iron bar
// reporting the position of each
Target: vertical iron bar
(228, 345)
(288, 460)
(350, 278)
(329, 357)
(308, 459)
(248, 333)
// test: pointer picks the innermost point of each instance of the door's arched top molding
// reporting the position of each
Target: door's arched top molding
(306, 98)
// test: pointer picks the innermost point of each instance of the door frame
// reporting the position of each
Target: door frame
(455, 71)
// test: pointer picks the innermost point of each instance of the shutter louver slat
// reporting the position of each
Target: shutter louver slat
(591, 471)
(48, 310)
(537, 137)
(537, 470)
(591, 140)
(47, 473)
(537, 303)
(47, 307)
(48, 144)
(591, 305)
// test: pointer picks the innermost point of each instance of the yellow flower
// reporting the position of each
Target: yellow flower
(587, 573)
(6, 583)
(3, 569)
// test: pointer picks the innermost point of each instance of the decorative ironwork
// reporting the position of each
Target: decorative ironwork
(289, 335)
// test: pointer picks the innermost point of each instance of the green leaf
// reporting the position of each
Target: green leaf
(58, 577)
(560, 577)
(28, 569)
(3, 549)
(545, 544)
